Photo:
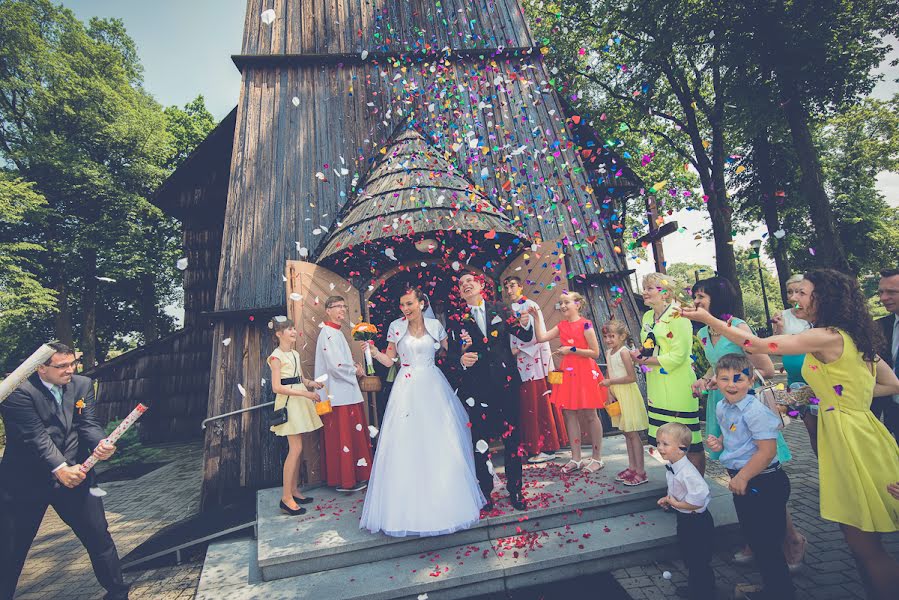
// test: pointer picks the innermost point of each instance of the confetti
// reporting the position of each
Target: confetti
(268, 16)
(226, 342)
(181, 264)
(372, 431)
(481, 446)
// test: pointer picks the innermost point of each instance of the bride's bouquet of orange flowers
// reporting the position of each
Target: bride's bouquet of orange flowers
(363, 331)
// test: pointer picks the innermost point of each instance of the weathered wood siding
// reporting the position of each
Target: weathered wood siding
(276, 200)
(351, 26)
(170, 375)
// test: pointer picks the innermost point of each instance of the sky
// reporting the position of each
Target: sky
(186, 48)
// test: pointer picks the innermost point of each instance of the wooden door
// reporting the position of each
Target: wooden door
(308, 287)
(543, 277)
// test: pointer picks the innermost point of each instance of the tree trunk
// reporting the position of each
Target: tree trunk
(828, 249)
(62, 325)
(89, 309)
(769, 209)
(148, 307)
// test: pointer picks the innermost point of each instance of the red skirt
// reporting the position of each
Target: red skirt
(580, 387)
(341, 430)
(542, 427)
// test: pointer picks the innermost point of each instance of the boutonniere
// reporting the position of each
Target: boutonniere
(80, 405)
(494, 333)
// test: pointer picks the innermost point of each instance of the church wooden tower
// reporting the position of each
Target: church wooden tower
(381, 139)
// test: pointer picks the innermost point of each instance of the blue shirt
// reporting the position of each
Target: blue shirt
(741, 424)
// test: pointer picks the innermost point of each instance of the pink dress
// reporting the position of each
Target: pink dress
(580, 374)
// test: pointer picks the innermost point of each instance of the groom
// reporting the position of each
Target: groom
(479, 342)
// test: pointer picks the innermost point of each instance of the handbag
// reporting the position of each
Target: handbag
(768, 394)
(279, 415)
(613, 409)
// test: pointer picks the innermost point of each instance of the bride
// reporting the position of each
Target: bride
(423, 479)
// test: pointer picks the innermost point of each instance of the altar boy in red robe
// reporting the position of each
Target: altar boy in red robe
(347, 445)
(542, 427)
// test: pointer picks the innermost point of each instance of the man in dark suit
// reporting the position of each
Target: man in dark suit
(51, 429)
(479, 343)
(887, 407)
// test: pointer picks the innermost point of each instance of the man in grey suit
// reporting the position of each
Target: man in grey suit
(51, 429)
(887, 407)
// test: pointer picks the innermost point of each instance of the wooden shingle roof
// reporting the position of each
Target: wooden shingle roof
(413, 189)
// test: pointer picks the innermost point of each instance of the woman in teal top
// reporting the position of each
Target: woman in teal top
(718, 296)
(792, 321)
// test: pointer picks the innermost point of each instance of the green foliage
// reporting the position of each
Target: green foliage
(78, 127)
(129, 449)
(21, 293)
(188, 126)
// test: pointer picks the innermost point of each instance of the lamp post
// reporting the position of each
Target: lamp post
(756, 246)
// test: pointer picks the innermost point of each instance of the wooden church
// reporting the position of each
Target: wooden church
(376, 144)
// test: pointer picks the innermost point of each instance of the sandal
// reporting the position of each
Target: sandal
(572, 465)
(624, 475)
(636, 479)
(589, 467)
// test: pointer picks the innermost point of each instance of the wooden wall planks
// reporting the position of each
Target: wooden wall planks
(351, 26)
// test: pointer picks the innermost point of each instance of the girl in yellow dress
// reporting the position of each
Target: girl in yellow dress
(858, 459)
(294, 392)
(622, 382)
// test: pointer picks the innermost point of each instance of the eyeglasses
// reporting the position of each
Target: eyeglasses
(68, 365)
(336, 306)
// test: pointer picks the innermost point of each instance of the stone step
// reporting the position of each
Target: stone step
(328, 536)
(466, 570)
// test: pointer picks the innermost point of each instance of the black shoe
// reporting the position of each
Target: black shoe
(306, 500)
(488, 507)
(289, 511)
(517, 501)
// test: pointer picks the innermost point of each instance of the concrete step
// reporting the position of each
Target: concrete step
(469, 569)
(328, 536)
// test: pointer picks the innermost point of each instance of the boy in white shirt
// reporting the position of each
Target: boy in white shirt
(689, 495)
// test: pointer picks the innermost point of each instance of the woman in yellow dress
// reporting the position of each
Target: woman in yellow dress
(858, 459)
(296, 393)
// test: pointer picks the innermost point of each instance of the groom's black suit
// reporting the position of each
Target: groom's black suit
(493, 380)
(40, 436)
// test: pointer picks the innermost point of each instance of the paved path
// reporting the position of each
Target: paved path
(58, 565)
(829, 570)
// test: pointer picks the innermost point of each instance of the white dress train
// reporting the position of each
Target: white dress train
(423, 478)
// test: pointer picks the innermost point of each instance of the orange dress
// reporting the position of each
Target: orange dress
(580, 374)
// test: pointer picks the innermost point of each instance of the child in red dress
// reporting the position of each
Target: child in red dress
(580, 393)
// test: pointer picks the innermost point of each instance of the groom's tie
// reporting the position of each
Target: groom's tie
(480, 317)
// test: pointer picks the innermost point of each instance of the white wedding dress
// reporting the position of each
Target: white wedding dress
(423, 479)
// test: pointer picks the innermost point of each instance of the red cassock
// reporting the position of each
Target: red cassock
(542, 426)
(346, 445)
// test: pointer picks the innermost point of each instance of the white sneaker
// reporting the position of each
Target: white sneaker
(541, 458)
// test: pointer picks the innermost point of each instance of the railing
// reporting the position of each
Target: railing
(234, 412)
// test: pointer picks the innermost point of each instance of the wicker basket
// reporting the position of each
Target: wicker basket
(555, 377)
(370, 383)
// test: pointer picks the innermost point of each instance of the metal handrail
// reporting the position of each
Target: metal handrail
(234, 412)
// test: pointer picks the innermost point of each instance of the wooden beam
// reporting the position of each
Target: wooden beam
(355, 58)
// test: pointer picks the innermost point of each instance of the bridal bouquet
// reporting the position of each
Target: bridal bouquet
(367, 332)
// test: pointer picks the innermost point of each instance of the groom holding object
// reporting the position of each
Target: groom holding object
(480, 342)
(51, 429)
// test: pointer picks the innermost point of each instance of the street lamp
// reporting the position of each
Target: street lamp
(756, 246)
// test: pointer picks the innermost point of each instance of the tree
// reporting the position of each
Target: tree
(818, 56)
(189, 126)
(662, 64)
(21, 293)
(75, 121)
